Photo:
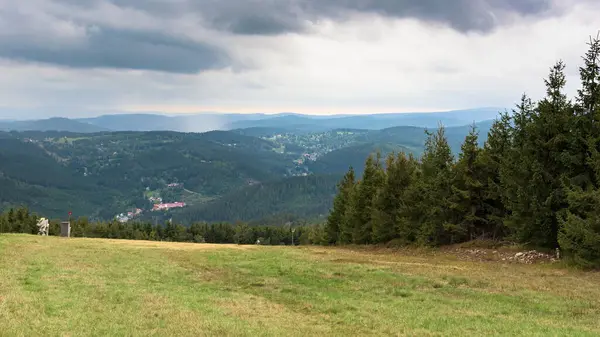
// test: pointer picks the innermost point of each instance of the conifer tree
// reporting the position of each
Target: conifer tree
(413, 203)
(586, 120)
(468, 221)
(579, 234)
(538, 167)
(549, 138)
(493, 157)
(516, 168)
(336, 221)
(387, 211)
(366, 192)
(350, 220)
(436, 189)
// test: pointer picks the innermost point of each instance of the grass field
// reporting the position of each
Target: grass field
(76, 287)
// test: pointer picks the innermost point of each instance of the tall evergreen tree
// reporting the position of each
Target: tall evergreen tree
(516, 169)
(550, 136)
(387, 211)
(413, 204)
(468, 220)
(493, 157)
(336, 228)
(539, 166)
(579, 234)
(364, 198)
(436, 189)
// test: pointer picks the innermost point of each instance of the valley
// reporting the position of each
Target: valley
(239, 175)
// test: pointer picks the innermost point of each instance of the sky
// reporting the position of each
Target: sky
(77, 58)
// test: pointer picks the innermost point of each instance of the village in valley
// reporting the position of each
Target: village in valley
(309, 147)
(157, 202)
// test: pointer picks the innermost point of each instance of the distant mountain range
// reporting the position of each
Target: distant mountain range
(52, 124)
(285, 121)
(371, 122)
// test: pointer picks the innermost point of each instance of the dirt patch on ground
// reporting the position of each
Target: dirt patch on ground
(525, 257)
(176, 245)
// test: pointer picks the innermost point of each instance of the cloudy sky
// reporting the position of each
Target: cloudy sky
(88, 57)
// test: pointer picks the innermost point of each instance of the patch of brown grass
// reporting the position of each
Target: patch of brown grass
(498, 276)
(175, 245)
(259, 311)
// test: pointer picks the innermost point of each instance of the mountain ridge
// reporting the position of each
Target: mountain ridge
(227, 121)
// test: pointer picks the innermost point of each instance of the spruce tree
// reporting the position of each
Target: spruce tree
(413, 203)
(468, 219)
(364, 198)
(336, 221)
(493, 157)
(383, 207)
(539, 165)
(387, 211)
(550, 137)
(436, 189)
(579, 234)
(516, 169)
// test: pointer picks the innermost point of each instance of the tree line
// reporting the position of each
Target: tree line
(21, 220)
(535, 181)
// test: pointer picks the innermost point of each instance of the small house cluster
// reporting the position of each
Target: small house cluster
(167, 206)
(130, 215)
(156, 200)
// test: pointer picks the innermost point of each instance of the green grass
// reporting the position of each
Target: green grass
(193, 198)
(76, 287)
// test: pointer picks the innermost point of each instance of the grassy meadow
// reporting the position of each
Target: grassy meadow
(91, 287)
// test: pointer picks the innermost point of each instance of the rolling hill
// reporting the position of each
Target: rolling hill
(51, 124)
(243, 174)
(340, 160)
(101, 174)
(370, 122)
(310, 196)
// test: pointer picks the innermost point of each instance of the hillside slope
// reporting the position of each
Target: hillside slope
(31, 176)
(51, 124)
(106, 173)
(309, 196)
(340, 160)
(220, 175)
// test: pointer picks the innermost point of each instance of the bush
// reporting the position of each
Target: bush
(580, 240)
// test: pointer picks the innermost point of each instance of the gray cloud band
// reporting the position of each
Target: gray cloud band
(105, 46)
(266, 17)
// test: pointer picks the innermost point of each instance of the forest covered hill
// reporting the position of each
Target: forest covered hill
(219, 175)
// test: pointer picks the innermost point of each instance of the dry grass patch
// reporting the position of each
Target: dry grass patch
(173, 245)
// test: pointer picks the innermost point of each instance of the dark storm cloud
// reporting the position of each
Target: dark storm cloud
(150, 47)
(267, 17)
(80, 34)
(122, 49)
(462, 15)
